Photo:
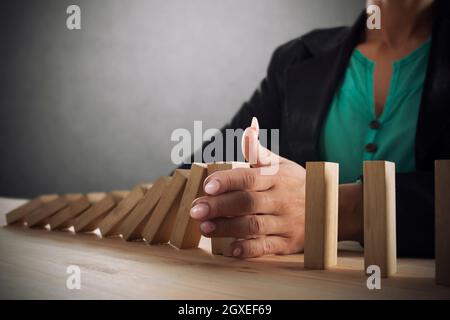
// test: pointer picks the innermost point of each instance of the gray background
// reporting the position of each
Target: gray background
(93, 110)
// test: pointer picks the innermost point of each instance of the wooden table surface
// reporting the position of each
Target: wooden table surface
(33, 265)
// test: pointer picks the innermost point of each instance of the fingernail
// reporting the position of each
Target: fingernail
(255, 124)
(199, 211)
(212, 187)
(207, 227)
(237, 252)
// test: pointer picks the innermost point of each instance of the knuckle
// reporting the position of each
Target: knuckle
(255, 225)
(296, 204)
(225, 179)
(249, 179)
(252, 250)
(273, 199)
(268, 247)
(291, 201)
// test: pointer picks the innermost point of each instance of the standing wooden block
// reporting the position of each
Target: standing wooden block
(110, 224)
(380, 247)
(40, 216)
(222, 245)
(186, 233)
(442, 246)
(101, 204)
(160, 225)
(133, 225)
(64, 218)
(321, 214)
(19, 215)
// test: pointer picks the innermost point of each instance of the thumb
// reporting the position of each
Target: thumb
(256, 154)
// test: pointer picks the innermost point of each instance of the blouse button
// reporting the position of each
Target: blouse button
(371, 147)
(374, 124)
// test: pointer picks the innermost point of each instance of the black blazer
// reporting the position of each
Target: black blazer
(295, 96)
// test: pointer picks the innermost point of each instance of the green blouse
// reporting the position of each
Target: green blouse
(352, 133)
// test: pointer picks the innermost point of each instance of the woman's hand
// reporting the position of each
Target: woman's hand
(262, 206)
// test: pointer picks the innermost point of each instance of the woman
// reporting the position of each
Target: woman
(343, 95)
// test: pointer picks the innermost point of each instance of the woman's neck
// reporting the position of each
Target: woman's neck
(402, 21)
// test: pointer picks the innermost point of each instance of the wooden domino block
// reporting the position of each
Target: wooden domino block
(64, 218)
(442, 220)
(133, 225)
(222, 245)
(19, 215)
(110, 224)
(160, 225)
(101, 204)
(39, 217)
(186, 233)
(119, 195)
(380, 247)
(321, 214)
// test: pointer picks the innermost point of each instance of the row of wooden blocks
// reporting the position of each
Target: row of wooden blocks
(321, 217)
(157, 213)
(160, 213)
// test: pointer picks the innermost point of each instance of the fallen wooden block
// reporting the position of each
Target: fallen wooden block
(20, 214)
(101, 204)
(222, 245)
(119, 195)
(109, 226)
(40, 216)
(160, 225)
(380, 247)
(321, 215)
(442, 236)
(64, 218)
(186, 233)
(133, 225)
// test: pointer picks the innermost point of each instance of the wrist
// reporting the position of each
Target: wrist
(350, 225)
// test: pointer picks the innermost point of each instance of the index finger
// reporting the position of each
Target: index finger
(249, 179)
